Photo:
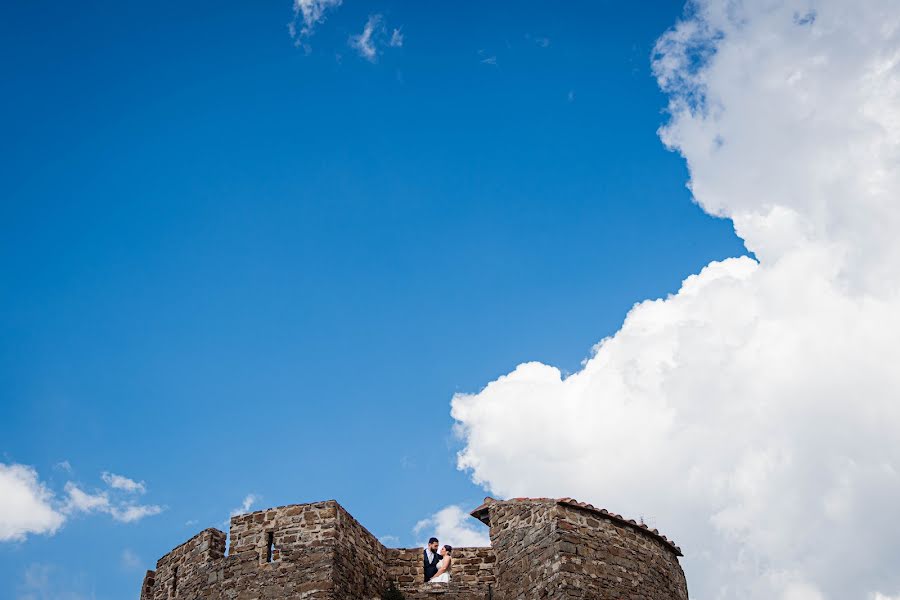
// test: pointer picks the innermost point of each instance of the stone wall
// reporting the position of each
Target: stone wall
(311, 551)
(525, 540)
(472, 573)
(562, 549)
(541, 549)
(605, 558)
(301, 562)
(360, 569)
(185, 568)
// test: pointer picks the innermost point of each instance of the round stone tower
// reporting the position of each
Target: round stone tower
(561, 548)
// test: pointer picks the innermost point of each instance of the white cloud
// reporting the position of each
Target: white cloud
(363, 42)
(452, 525)
(249, 500)
(130, 561)
(396, 40)
(755, 414)
(120, 482)
(374, 35)
(47, 582)
(311, 13)
(81, 501)
(129, 513)
(490, 60)
(125, 512)
(26, 504)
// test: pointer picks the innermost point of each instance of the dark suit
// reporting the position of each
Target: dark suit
(432, 567)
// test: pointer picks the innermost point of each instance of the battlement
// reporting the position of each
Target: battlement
(286, 532)
(540, 548)
(185, 560)
(473, 572)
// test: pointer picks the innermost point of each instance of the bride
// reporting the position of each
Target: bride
(443, 572)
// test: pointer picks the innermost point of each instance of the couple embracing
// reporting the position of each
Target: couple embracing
(437, 562)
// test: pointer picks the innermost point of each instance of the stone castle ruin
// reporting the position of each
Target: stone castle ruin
(541, 548)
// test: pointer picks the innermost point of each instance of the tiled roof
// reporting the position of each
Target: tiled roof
(481, 513)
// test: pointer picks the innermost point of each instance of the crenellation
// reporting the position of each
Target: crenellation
(541, 549)
(295, 529)
(147, 585)
(185, 567)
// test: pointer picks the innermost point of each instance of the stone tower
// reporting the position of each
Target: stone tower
(541, 548)
(560, 548)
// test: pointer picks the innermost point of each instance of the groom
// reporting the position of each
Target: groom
(431, 558)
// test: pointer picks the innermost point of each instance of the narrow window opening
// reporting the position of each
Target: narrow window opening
(270, 546)
(174, 582)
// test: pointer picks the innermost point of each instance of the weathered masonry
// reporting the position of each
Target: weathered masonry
(541, 548)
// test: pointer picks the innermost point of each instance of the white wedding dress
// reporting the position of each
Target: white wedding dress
(443, 577)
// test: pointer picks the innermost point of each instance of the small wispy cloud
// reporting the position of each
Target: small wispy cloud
(486, 58)
(134, 512)
(310, 13)
(363, 42)
(246, 504)
(120, 482)
(571, 96)
(49, 582)
(396, 39)
(541, 41)
(249, 500)
(130, 561)
(80, 501)
(374, 36)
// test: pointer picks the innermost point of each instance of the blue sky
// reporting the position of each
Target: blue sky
(231, 266)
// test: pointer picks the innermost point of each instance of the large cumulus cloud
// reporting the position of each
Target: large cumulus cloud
(755, 414)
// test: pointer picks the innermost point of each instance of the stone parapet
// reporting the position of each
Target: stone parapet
(541, 549)
(186, 566)
(360, 563)
(603, 558)
(472, 575)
